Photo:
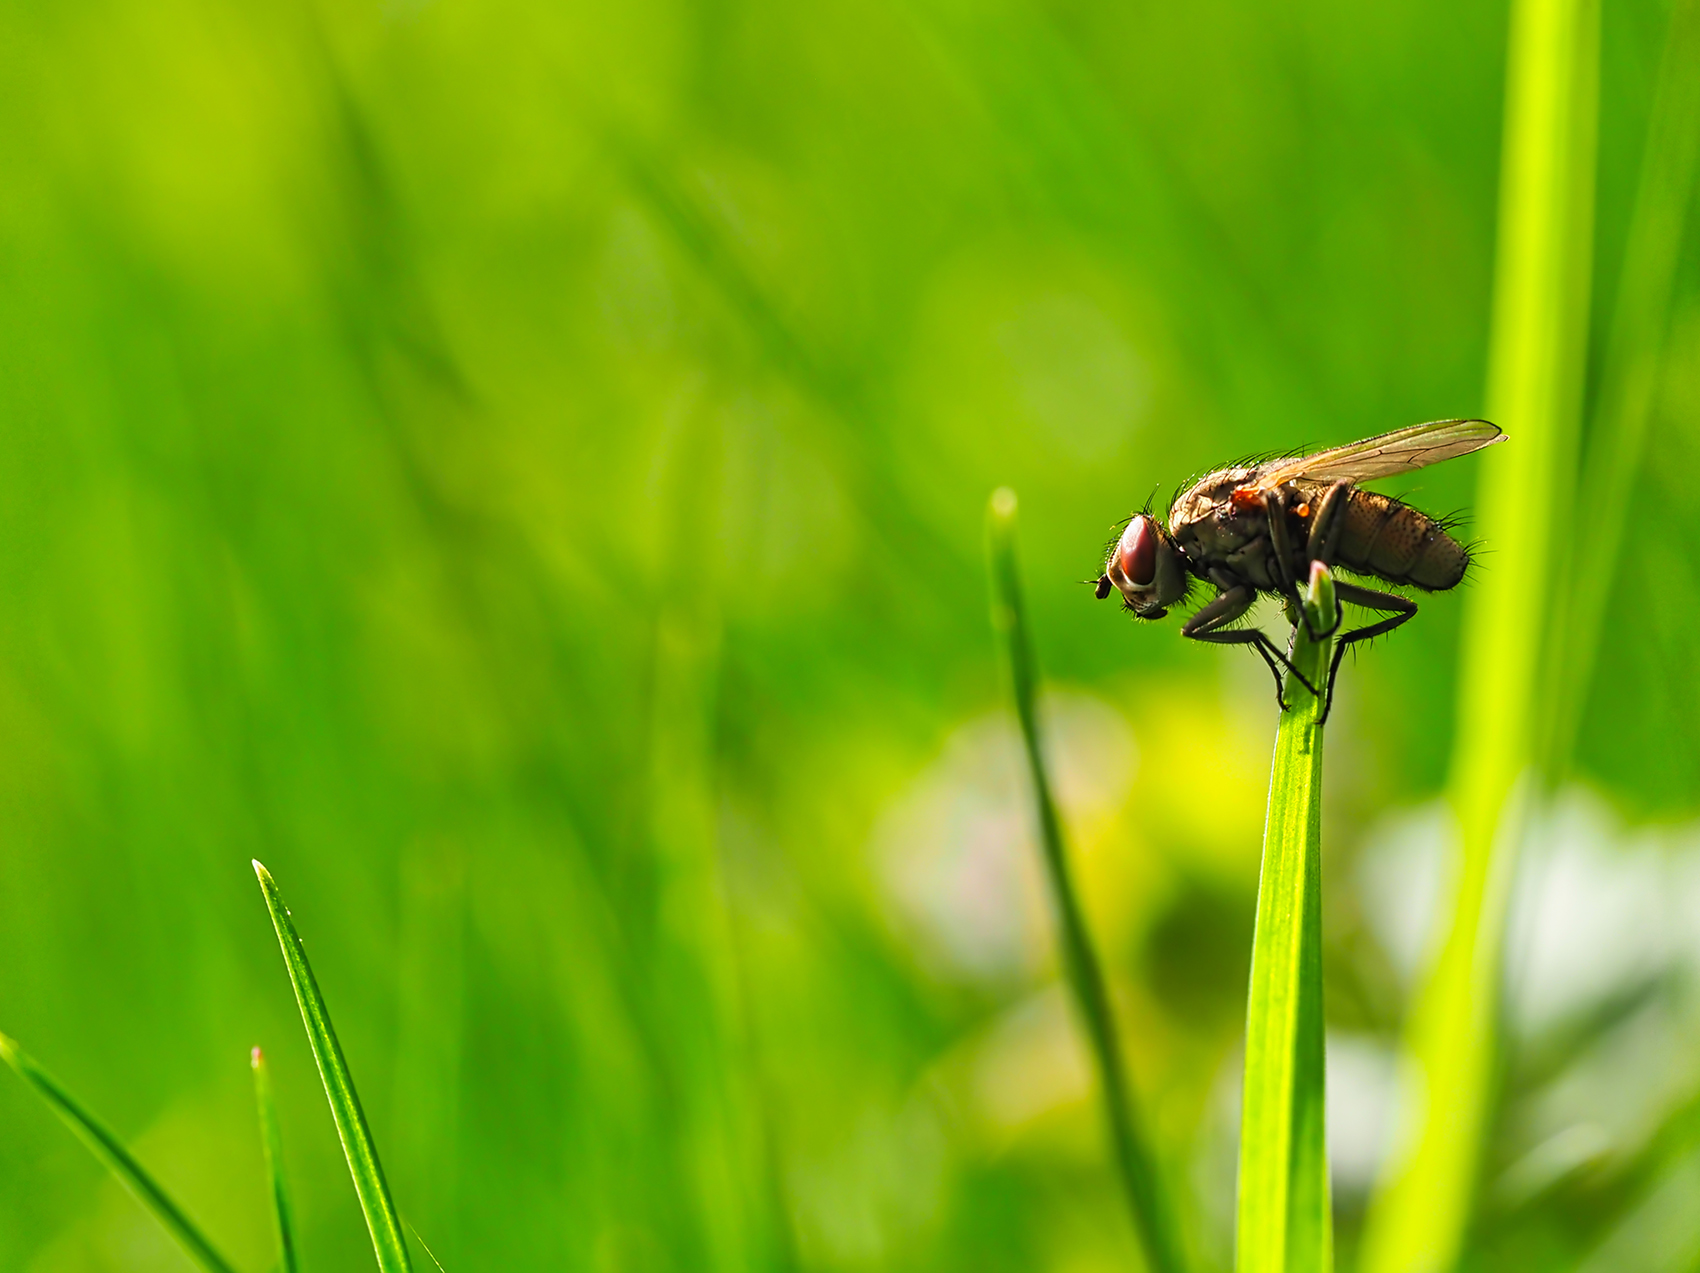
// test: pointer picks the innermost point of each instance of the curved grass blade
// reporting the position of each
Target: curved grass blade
(362, 1155)
(272, 1138)
(1152, 1221)
(111, 1151)
(1285, 1223)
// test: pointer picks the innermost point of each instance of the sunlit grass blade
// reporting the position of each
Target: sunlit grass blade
(1135, 1161)
(271, 1137)
(1634, 356)
(357, 1144)
(111, 1151)
(1285, 1223)
(1419, 1217)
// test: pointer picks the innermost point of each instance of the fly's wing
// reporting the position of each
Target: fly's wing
(1400, 451)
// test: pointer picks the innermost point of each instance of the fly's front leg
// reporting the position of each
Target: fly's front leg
(1327, 521)
(1210, 624)
(1399, 609)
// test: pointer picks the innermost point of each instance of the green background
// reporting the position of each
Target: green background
(518, 470)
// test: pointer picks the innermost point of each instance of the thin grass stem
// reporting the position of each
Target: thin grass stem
(422, 1246)
(374, 1192)
(1136, 1164)
(118, 1159)
(1285, 1223)
(271, 1138)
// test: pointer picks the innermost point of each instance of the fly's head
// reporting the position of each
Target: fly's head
(1146, 567)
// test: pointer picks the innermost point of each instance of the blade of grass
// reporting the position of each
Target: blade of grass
(428, 1251)
(1419, 1217)
(1634, 353)
(272, 1139)
(111, 1151)
(1136, 1163)
(357, 1146)
(1285, 1220)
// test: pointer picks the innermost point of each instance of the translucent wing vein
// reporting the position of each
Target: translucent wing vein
(1400, 451)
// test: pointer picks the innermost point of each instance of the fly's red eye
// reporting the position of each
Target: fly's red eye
(1137, 553)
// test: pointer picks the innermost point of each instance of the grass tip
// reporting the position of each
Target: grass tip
(1320, 598)
(9, 1050)
(428, 1251)
(256, 1058)
(1003, 503)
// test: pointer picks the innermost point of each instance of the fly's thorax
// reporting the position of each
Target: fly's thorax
(1209, 496)
(1210, 528)
(1146, 567)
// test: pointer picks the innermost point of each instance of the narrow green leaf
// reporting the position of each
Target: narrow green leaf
(428, 1251)
(1418, 1219)
(1285, 1223)
(357, 1145)
(1135, 1161)
(272, 1139)
(1634, 357)
(111, 1151)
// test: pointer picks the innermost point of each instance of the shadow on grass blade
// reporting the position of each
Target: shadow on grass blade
(272, 1139)
(381, 1218)
(111, 1151)
(1135, 1161)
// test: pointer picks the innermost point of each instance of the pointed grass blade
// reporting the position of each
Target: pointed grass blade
(362, 1155)
(111, 1151)
(423, 1247)
(272, 1139)
(1135, 1161)
(1284, 1222)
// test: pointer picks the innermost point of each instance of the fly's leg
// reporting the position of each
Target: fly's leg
(1327, 520)
(1275, 505)
(1399, 609)
(1209, 624)
(1275, 508)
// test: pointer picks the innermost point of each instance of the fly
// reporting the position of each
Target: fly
(1257, 529)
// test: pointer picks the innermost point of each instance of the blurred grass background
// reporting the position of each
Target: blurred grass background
(518, 471)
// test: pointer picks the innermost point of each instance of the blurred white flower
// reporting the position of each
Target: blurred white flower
(957, 851)
(1398, 882)
(1361, 1085)
(1597, 912)
(1594, 910)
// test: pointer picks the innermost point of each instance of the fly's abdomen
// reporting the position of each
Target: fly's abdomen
(1396, 542)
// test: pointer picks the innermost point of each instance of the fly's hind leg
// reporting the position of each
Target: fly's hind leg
(1210, 624)
(1398, 609)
